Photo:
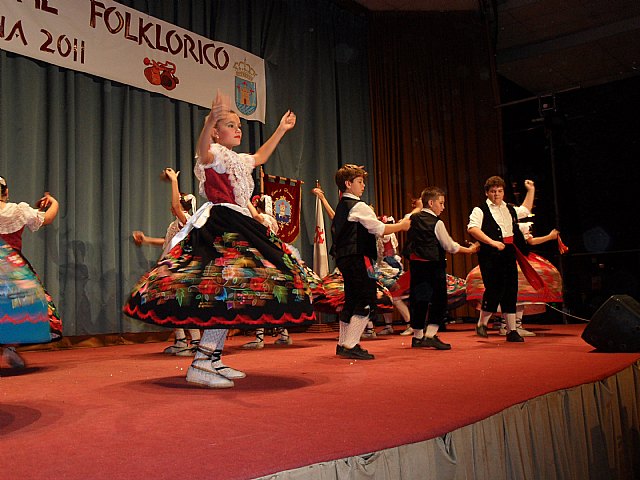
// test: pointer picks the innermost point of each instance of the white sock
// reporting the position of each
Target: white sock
(402, 309)
(212, 339)
(519, 315)
(369, 325)
(388, 319)
(432, 329)
(179, 334)
(284, 333)
(194, 333)
(511, 321)
(343, 333)
(354, 331)
(484, 318)
(418, 333)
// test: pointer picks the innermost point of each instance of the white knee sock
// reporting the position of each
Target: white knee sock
(432, 329)
(511, 321)
(388, 319)
(212, 339)
(194, 333)
(354, 331)
(343, 333)
(179, 334)
(484, 318)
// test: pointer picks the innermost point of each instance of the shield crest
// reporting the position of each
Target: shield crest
(246, 97)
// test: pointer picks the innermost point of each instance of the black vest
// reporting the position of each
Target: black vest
(422, 240)
(491, 228)
(350, 238)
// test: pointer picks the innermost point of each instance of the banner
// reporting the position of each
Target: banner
(107, 39)
(285, 193)
(320, 258)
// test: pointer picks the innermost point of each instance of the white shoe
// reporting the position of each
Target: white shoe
(283, 341)
(228, 372)
(521, 331)
(178, 346)
(525, 333)
(255, 345)
(12, 357)
(408, 331)
(207, 378)
(369, 333)
(387, 330)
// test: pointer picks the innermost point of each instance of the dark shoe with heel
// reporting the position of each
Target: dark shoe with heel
(481, 331)
(426, 342)
(355, 353)
(514, 336)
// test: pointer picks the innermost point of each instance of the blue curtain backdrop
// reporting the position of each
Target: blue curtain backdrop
(99, 146)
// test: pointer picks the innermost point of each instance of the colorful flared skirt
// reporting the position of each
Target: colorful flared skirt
(230, 273)
(533, 300)
(27, 312)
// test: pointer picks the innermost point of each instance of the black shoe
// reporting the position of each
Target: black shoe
(426, 342)
(339, 349)
(356, 353)
(514, 336)
(481, 331)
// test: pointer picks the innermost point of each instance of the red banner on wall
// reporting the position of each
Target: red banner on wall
(285, 193)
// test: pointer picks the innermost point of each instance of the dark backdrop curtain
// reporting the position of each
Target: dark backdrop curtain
(99, 146)
(434, 121)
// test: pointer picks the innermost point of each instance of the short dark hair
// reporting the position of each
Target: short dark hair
(347, 173)
(494, 181)
(430, 193)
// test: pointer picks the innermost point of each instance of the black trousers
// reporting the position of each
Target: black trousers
(500, 277)
(360, 289)
(428, 294)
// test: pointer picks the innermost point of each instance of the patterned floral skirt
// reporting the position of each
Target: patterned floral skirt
(330, 296)
(227, 274)
(533, 300)
(456, 290)
(27, 312)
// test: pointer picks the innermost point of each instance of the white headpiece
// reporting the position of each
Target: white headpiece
(190, 198)
(268, 205)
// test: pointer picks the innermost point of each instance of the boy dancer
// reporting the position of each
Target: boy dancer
(495, 225)
(427, 244)
(353, 229)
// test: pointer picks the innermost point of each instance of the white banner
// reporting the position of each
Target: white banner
(107, 39)
(320, 258)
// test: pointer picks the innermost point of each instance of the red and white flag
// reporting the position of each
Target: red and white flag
(320, 258)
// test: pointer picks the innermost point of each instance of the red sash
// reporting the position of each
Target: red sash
(529, 272)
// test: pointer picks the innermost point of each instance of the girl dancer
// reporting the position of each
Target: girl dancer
(181, 205)
(222, 269)
(27, 312)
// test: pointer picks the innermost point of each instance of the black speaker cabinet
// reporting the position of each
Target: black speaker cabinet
(615, 327)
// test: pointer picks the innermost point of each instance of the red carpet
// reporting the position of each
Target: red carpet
(127, 412)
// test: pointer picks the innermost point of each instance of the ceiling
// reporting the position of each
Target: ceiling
(550, 46)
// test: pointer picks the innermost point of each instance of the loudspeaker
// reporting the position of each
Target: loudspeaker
(615, 327)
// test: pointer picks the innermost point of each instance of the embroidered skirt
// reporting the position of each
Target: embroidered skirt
(27, 312)
(533, 300)
(228, 273)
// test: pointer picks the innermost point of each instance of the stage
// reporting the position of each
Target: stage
(126, 411)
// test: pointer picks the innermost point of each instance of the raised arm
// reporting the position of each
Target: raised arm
(287, 122)
(320, 194)
(176, 207)
(218, 108)
(529, 197)
(50, 206)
